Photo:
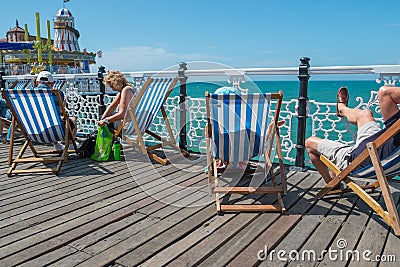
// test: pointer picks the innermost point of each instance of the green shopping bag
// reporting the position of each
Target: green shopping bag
(104, 141)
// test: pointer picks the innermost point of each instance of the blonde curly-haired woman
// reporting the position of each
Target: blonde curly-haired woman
(118, 82)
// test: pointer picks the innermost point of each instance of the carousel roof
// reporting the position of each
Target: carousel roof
(64, 12)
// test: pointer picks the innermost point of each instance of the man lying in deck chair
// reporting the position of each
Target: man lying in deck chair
(375, 153)
(368, 131)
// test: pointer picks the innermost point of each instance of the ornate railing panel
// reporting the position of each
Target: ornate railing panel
(83, 101)
(326, 124)
(84, 108)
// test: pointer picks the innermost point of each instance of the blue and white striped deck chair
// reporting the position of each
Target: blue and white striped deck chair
(38, 120)
(20, 84)
(58, 84)
(141, 114)
(381, 169)
(239, 129)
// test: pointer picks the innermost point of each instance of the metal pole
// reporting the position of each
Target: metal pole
(102, 106)
(302, 112)
(182, 105)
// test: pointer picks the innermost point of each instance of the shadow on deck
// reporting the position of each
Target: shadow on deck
(96, 214)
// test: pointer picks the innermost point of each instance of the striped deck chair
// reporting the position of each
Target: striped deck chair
(141, 114)
(58, 84)
(20, 84)
(381, 169)
(239, 129)
(36, 115)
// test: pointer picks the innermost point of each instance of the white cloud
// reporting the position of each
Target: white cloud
(337, 59)
(146, 58)
(137, 58)
(263, 52)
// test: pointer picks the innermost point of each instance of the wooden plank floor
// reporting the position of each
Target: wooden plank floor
(136, 213)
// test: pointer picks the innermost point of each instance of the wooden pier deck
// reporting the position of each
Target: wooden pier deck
(130, 213)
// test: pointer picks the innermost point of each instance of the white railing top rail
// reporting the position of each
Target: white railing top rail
(373, 69)
(392, 70)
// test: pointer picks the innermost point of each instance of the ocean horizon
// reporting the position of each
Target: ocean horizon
(320, 91)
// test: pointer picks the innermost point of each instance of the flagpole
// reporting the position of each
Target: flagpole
(65, 1)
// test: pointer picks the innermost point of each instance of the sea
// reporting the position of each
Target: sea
(320, 91)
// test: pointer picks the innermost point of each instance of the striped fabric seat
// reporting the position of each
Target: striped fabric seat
(20, 84)
(239, 124)
(58, 84)
(150, 103)
(37, 114)
(239, 128)
(390, 165)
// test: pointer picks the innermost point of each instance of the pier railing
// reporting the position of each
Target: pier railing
(87, 97)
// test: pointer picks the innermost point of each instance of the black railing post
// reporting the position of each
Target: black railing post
(182, 105)
(100, 77)
(302, 112)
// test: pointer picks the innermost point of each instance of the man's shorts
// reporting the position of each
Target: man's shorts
(338, 152)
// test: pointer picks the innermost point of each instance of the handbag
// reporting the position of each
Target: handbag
(104, 141)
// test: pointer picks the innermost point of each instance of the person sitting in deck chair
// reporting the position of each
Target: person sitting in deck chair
(226, 90)
(118, 82)
(46, 80)
(368, 131)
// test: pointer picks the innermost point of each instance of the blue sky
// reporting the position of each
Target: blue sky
(154, 34)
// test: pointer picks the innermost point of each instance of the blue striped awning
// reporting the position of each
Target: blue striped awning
(16, 46)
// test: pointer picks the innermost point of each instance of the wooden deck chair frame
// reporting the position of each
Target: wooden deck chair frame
(40, 156)
(278, 190)
(139, 143)
(390, 216)
(8, 125)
